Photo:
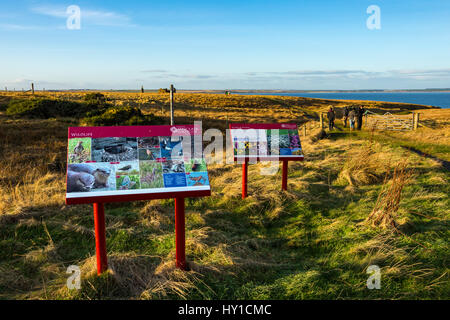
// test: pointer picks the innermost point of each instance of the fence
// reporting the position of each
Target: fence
(392, 122)
(372, 121)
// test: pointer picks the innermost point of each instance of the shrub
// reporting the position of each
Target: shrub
(96, 97)
(4, 103)
(44, 108)
(92, 112)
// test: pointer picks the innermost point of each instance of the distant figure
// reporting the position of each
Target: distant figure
(351, 117)
(359, 117)
(331, 117)
(346, 111)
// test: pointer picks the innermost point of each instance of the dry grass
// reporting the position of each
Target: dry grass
(396, 262)
(387, 205)
(363, 167)
(233, 245)
(136, 276)
(35, 191)
(367, 164)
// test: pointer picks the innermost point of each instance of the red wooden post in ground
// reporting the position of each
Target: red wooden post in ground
(244, 178)
(100, 237)
(285, 175)
(180, 234)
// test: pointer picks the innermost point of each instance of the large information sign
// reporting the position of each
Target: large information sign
(134, 162)
(108, 164)
(266, 141)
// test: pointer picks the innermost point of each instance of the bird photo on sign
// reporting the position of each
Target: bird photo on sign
(197, 179)
(127, 168)
(127, 175)
(127, 182)
(151, 175)
(114, 149)
(195, 165)
(149, 153)
(171, 147)
(79, 150)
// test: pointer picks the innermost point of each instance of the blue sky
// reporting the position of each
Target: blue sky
(225, 45)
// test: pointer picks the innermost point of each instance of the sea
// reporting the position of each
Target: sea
(436, 99)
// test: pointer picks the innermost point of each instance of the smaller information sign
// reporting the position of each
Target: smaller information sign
(266, 141)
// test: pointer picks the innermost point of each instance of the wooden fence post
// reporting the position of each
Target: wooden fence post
(416, 121)
(142, 89)
(171, 104)
(32, 88)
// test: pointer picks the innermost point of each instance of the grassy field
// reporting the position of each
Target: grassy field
(311, 242)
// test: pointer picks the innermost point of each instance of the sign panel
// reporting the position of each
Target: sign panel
(266, 141)
(127, 163)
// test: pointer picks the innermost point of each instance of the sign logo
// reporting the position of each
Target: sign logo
(180, 131)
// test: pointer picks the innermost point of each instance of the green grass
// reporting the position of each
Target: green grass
(436, 149)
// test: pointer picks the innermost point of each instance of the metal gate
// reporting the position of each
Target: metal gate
(389, 121)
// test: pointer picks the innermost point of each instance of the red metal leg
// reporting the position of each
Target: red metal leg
(285, 175)
(100, 238)
(180, 234)
(244, 178)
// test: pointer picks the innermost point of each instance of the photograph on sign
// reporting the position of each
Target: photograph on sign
(103, 161)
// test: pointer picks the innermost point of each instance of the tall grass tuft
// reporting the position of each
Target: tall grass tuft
(364, 167)
(387, 205)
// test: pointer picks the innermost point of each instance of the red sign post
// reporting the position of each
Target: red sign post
(100, 237)
(119, 164)
(265, 142)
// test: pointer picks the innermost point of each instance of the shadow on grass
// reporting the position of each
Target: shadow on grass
(444, 163)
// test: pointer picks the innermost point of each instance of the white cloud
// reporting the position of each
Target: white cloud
(18, 27)
(352, 74)
(155, 71)
(89, 16)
